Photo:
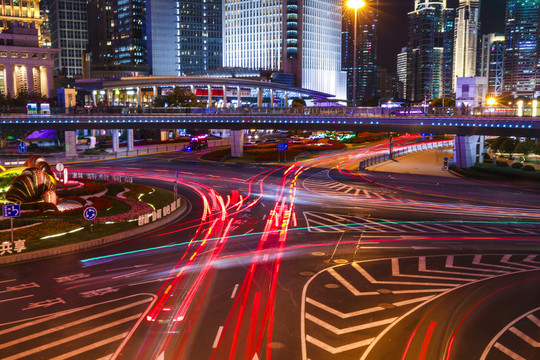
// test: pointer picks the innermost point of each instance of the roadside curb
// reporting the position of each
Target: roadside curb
(33, 255)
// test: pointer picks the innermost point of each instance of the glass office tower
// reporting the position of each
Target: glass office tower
(467, 26)
(492, 62)
(430, 50)
(521, 57)
(300, 38)
(366, 51)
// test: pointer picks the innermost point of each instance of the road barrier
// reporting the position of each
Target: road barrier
(382, 156)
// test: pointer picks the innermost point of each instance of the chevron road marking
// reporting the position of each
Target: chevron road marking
(71, 338)
(336, 350)
(478, 261)
(73, 323)
(525, 337)
(453, 228)
(534, 319)
(508, 352)
(91, 347)
(423, 268)
(506, 260)
(450, 264)
(431, 228)
(17, 298)
(531, 258)
(348, 285)
(476, 229)
(357, 192)
(373, 281)
(106, 357)
(350, 329)
(366, 193)
(396, 272)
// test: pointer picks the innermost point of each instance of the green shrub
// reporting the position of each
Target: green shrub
(114, 189)
(502, 163)
(529, 168)
(517, 165)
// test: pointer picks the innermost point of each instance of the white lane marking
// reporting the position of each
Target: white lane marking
(3, 281)
(373, 281)
(367, 194)
(341, 314)
(413, 228)
(381, 224)
(453, 228)
(432, 228)
(412, 301)
(350, 329)
(348, 285)
(526, 231)
(234, 291)
(423, 268)
(450, 264)
(73, 323)
(146, 282)
(357, 192)
(129, 267)
(506, 260)
(91, 347)
(508, 352)
(476, 229)
(17, 298)
(349, 189)
(379, 196)
(534, 319)
(130, 274)
(396, 272)
(525, 337)
(71, 338)
(340, 349)
(505, 329)
(106, 357)
(531, 258)
(218, 337)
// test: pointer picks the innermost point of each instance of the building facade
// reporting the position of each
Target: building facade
(430, 50)
(366, 51)
(402, 71)
(492, 62)
(68, 29)
(467, 26)
(24, 65)
(24, 12)
(521, 56)
(289, 36)
(388, 85)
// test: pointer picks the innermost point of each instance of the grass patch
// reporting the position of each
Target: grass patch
(158, 199)
(493, 172)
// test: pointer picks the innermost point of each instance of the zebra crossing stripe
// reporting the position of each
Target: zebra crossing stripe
(336, 350)
(92, 347)
(367, 194)
(527, 231)
(432, 228)
(71, 338)
(357, 192)
(476, 229)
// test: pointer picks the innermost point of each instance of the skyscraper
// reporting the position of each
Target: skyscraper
(68, 29)
(366, 48)
(430, 50)
(466, 39)
(296, 37)
(492, 62)
(522, 57)
(402, 71)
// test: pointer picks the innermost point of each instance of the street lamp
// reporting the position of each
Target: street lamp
(355, 5)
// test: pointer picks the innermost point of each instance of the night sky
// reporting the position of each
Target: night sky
(393, 25)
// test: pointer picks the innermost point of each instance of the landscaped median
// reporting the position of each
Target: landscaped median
(122, 208)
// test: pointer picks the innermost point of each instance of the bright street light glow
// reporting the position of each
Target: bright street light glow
(491, 101)
(356, 4)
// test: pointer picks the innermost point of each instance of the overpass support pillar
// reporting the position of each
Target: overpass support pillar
(237, 143)
(154, 89)
(259, 98)
(224, 96)
(468, 150)
(271, 98)
(108, 97)
(139, 97)
(209, 96)
(71, 143)
(286, 99)
(239, 95)
(94, 101)
(130, 139)
(115, 141)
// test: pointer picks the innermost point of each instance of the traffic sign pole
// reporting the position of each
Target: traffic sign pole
(12, 242)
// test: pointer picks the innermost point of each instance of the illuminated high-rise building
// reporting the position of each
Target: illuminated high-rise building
(492, 62)
(366, 51)
(430, 50)
(402, 71)
(24, 12)
(522, 57)
(467, 27)
(295, 37)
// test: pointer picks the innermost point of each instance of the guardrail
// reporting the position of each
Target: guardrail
(382, 156)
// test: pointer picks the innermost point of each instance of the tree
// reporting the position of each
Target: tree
(298, 102)
(525, 148)
(508, 146)
(438, 102)
(496, 144)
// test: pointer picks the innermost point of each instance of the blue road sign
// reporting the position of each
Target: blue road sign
(283, 146)
(11, 210)
(90, 213)
(21, 147)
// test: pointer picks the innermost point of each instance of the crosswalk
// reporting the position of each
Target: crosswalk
(322, 222)
(367, 299)
(88, 332)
